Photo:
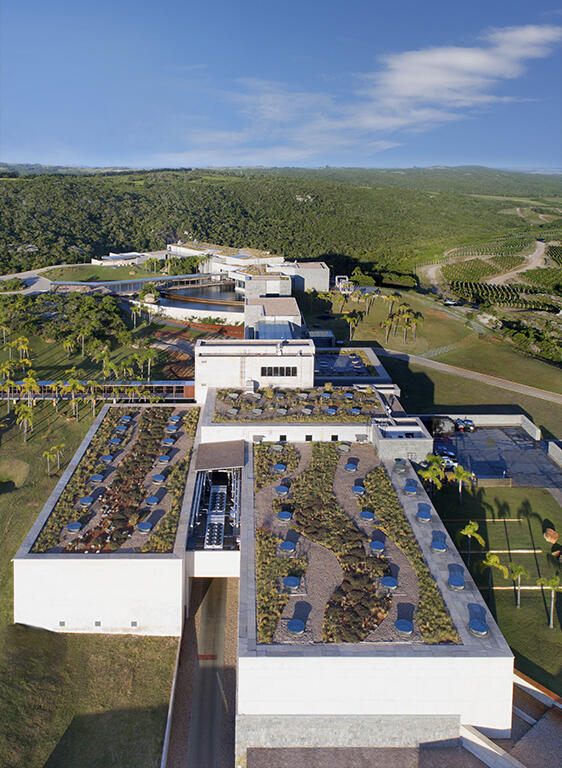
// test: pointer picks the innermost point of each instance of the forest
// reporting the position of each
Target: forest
(380, 220)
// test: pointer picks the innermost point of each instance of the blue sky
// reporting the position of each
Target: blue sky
(307, 82)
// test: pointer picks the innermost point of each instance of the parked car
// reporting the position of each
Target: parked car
(469, 425)
(450, 463)
(445, 453)
(459, 425)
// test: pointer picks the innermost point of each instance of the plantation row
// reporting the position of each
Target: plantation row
(502, 295)
(554, 252)
(505, 263)
(550, 278)
(506, 246)
(471, 270)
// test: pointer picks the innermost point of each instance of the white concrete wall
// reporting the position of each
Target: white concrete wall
(181, 313)
(113, 589)
(296, 433)
(212, 564)
(478, 689)
(555, 452)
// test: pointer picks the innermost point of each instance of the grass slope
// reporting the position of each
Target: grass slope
(89, 272)
(69, 700)
(427, 391)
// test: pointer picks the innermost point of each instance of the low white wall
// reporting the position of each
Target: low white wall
(476, 688)
(112, 589)
(555, 452)
(295, 433)
(212, 564)
(495, 420)
(179, 313)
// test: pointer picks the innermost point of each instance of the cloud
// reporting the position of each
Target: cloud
(409, 91)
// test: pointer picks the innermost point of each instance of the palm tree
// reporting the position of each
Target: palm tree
(22, 345)
(492, 561)
(24, 417)
(340, 299)
(416, 317)
(517, 571)
(5, 329)
(434, 472)
(58, 449)
(30, 385)
(470, 530)
(49, 454)
(135, 312)
(73, 386)
(463, 477)
(387, 324)
(555, 586)
(68, 346)
(93, 386)
(151, 356)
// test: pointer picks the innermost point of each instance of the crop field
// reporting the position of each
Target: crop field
(473, 270)
(505, 246)
(512, 522)
(549, 278)
(505, 263)
(554, 252)
(501, 295)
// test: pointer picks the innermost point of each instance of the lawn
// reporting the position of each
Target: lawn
(88, 272)
(496, 359)
(69, 700)
(439, 328)
(425, 390)
(510, 519)
(49, 360)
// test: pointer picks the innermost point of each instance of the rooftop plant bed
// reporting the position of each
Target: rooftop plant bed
(269, 569)
(65, 508)
(432, 617)
(122, 498)
(265, 458)
(355, 608)
(327, 404)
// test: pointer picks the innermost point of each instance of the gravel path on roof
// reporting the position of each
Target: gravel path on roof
(406, 596)
(323, 573)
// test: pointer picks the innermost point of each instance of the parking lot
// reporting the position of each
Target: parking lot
(496, 452)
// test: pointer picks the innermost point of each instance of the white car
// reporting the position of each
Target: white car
(450, 463)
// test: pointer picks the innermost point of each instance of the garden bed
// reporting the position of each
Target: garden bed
(327, 404)
(109, 508)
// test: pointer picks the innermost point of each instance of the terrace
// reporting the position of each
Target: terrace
(329, 404)
(124, 493)
(337, 561)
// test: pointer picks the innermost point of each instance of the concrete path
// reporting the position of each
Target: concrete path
(485, 378)
(208, 702)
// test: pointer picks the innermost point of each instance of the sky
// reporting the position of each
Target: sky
(171, 83)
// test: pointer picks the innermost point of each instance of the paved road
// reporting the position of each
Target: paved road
(494, 381)
(208, 703)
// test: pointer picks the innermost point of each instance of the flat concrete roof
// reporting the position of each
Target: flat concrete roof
(220, 455)
(278, 305)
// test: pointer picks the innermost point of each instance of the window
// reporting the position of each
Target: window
(308, 438)
(97, 623)
(334, 438)
(279, 371)
(62, 623)
(134, 624)
(282, 438)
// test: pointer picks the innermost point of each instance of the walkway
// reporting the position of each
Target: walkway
(494, 381)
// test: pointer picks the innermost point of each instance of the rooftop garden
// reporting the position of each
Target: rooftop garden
(327, 404)
(319, 508)
(113, 500)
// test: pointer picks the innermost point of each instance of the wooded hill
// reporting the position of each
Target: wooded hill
(385, 220)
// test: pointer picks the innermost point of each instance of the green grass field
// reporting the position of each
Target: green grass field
(495, 358)
(69, 701)
(49, 360)
(88, 272)
(425, 390)
(512, 519)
